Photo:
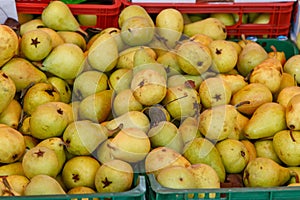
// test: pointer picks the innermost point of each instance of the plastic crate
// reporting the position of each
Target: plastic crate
(279, 24)
(157, 192)
(107, 15)
(136, 193)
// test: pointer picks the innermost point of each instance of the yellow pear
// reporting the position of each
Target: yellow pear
(10, 47)
(292, 108)
(286, 94)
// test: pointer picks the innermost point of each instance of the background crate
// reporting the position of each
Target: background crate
(157, 192)
(107, 15)
(138, 192)
(279, 24)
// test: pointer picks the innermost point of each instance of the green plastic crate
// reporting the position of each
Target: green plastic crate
(157, 192)
(136, 193)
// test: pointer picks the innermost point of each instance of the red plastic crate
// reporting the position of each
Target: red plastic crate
(279, 24)
(107, 15)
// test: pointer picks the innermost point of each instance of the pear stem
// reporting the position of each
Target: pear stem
(241, 103)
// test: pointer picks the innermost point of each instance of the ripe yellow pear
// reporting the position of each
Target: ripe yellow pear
(10, 47)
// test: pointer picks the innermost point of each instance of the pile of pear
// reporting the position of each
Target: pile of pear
(152, 96)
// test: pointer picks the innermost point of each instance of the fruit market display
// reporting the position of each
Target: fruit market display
(82, 114)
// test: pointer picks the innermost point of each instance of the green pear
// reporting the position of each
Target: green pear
(80, 171)
(205, 176)
(163, 157)
(286, 146)
(291, 116)
(98, 81)
(295, 175)
(170, 63)
(58, 16)
(14, 168)
(65, 61)
(137, 30)
(133, 10)
(56, 39)
(214, 91)
(23, 73)
(48, 120)
(12, 144)
(116, 33)
(35, 186)
(226, 18)
(104, 48)
(251, 55)
(58, 146)
(11, 116)
(96, 107)
(125, 101)
(262, 18)
(224, 56)
(130, 145)
(286, 94)
(241, 122)
(36, 45)
(176, 177)
(234, 154)
(255, 93)
(235, 81)
(40, 160)
(250, 147)
(265, 148)
(130, 119)
(7, 90)
(210, 26)
(193, 58)
(182, 101)
(120, 79)
(83, 137)
(73, 37)
(266, 120)
(31, 25)
(142, 56)
(114, 176)
(63, 88)
(169, 23)
(10, 47)
(264, 172)
(185, 79)
(165, 133)
(188, 129)
(103, 152)
(201, 150)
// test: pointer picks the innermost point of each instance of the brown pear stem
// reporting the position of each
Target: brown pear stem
(184, 96)
(241, 103)
(291, 134)
(116, 130)
(274, 50)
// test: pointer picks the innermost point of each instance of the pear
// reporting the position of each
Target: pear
(130, 145)
(265, 148)
(98, 81)
(31, 25)
(214, 91)
(11, 46)
(40, 160)
(142, 56)
(11, 116)
(73, 37)
(251, 55)
(36, 45)
(256, 93)
(114, 176)
(201, 150)
(116, 33)
(133, 10)
(162, 157)
(234, 154)
(184, 79)
(64, 61)
(96, 107)
(83, 137)
(130, 119)
(210, 26)
(63, 88)
(241, 122)
(14, 168)
(181, 102)
(120, 79)
(285, 95)
(48, 120)
(235, 81)
(266, 120)
(251, 148)
(35, 186)
(176, 177)
(193, 58)
(56, 39)
(295, 175)
(12, 144)
(188, 129)
(24, 126)
(165, 133)
(170, 25)
(125, 101)
(287, 80)
(137, 30)
(226, 18)
(264, 172)
(149, 87)
(104, 48)
(292, 119)
(23, 73)
(80, 171)
(7, 90)
(224, 56)
(58, 146)
(103, 151)
(262, 18)
(205, 176)
(81, 190)
(170, 63)
(17, 183)
(58, 16)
